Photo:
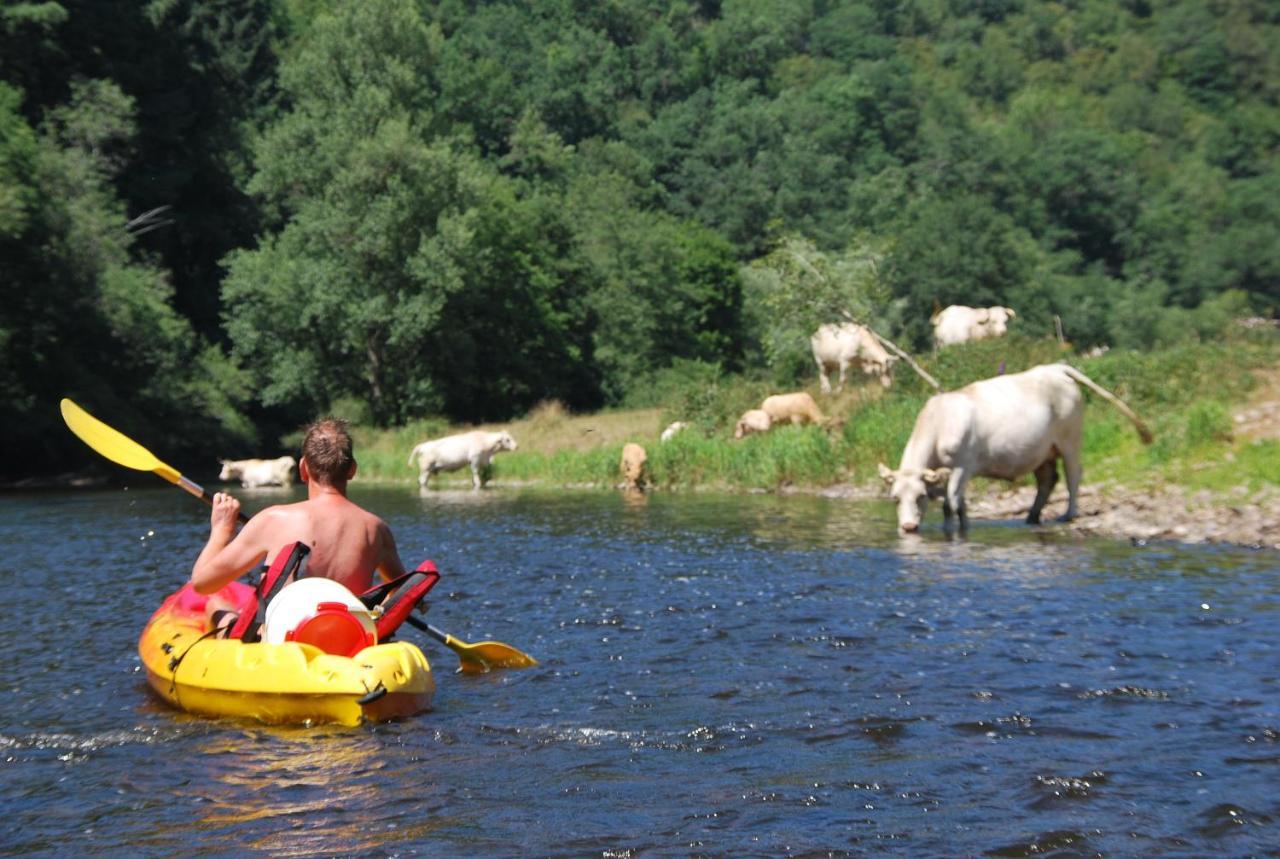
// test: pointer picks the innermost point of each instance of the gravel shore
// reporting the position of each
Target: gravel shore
(1169, 513)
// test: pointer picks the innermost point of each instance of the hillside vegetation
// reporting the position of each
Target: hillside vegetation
(219, 219)
(1187, 395)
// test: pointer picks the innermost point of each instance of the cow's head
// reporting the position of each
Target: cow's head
(997, 320)
(886, 372)
(505, 442)
(230, 471)
(911, 489)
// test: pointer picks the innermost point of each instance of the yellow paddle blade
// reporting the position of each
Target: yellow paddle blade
(484, 656)
(112, 444)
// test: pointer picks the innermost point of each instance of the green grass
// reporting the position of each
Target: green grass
(1187, 395)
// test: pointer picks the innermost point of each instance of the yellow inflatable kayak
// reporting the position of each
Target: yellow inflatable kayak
(292, 682)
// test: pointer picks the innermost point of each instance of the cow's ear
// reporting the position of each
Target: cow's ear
(886, 474)
(1009, 312)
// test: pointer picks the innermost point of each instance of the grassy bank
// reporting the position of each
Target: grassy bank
(1187, 395)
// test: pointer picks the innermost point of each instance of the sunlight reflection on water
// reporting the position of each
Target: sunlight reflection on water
(754, 674)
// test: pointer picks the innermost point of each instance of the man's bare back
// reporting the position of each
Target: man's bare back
(347, 542)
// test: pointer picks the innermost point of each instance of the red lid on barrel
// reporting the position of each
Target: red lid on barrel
(333, 629)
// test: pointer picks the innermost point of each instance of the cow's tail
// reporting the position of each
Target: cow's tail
(1143, 431)
(413, 455)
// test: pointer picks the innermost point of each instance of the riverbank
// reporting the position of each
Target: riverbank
(1239, 517)
(1212, 475)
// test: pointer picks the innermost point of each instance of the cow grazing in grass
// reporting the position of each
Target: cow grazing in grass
(752, 421)
(839, 347)
(798, 408)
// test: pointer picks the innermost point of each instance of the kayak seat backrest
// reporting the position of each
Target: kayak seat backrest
(289, 565)
(400, 596)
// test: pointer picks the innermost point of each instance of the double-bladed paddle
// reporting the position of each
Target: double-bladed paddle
(119, 448)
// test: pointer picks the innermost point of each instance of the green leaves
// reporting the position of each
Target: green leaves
(797, 287)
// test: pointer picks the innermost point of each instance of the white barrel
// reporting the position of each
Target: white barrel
(298, 600)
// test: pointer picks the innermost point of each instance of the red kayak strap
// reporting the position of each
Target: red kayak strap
(400, 596)
(289, 565)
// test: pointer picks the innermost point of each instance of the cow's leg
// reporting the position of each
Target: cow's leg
(823, 381)
(955, 497)
(476, 465)
(844, 371)
(1074, 470)
(1046, 479)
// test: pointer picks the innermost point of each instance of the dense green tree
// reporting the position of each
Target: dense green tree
(408, 274)
(78, 315)
(666, 289)
(200, 73)
(582, 183)
(957, 250)
(796, 287)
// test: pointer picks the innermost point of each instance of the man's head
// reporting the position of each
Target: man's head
(326, 451)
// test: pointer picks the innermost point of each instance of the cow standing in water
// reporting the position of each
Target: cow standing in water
(632, 466)
(253, 473)
(1005, 427)
(450, 453)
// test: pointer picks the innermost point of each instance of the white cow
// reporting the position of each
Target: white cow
(259, 472)
(1004, 427)
(838, 347)
(453, 452)
(959, 324)
(671, 430)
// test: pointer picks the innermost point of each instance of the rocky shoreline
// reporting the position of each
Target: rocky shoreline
(1167, 513)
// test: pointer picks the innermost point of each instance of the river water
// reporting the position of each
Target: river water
(720, 675)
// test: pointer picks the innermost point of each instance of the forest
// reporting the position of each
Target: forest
(220, 218)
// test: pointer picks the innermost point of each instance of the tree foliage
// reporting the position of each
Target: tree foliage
(79, 316)
(464, 208)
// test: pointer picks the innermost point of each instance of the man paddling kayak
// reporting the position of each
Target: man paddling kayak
(348, 543)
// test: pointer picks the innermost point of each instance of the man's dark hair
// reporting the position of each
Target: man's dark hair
(327, 450)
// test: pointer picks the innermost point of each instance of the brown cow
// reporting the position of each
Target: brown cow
(633, 465)
(752, 420)
(798, 408)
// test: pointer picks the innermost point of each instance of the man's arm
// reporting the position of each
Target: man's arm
(389, 563)
(227, 555)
